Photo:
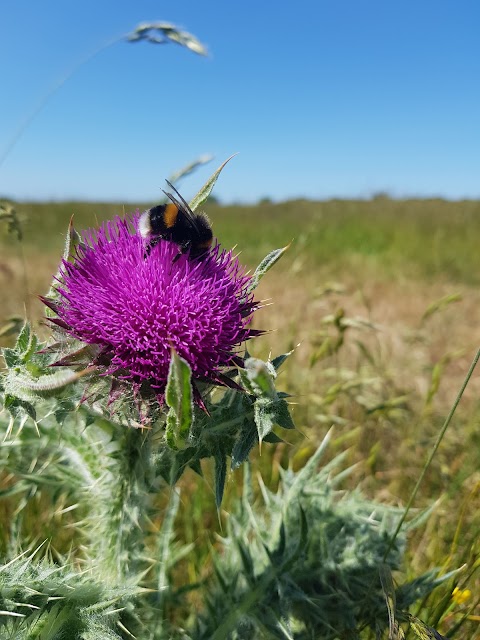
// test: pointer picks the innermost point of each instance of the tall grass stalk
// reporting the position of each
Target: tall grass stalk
(434, 450)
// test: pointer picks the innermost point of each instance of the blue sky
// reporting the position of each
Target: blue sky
(320, 99)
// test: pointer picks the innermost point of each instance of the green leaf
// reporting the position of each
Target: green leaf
(248, 569)
(24, 349)
(73, 240)
(266, 264)
(279, 360)
(268, 413)
(282, 414)
(63, 410)
(170, 464)
(244, 444)
(11, 357)
(260, 378)
(19, 409)
(24, 340)
(179, 399)
(220, 476)
(206, 190)
(272, 438)
(263, 419)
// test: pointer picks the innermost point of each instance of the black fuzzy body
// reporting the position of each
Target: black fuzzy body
(176, 222)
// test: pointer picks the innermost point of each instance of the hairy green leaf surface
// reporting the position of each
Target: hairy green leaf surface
(206, 190)
(265, 265)
(179, 399)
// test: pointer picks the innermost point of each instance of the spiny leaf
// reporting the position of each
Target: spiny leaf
(268, 413)
(279, 360)
(281, 412)
(72, 240)
(206, 190)
(26, 342)
(24, 349)
(20, 411)
(11, 357)
(13, 404)
(247, 562)
(64, 408)
(304, 476)
(273, 438)
(266, 264)
(260, 378)
(220, 476)
(244, 444)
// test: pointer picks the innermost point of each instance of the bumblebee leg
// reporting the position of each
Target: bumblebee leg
(152, 242)
(182, 248)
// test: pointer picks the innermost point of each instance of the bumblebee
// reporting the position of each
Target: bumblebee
(176, 222)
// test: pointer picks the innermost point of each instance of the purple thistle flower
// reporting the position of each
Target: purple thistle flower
(136, 305)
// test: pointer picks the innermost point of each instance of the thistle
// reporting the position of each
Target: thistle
(147, 335)
(134, 307)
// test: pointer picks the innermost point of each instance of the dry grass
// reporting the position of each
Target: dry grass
(399, 378)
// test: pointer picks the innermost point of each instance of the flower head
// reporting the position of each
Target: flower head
(136, 305)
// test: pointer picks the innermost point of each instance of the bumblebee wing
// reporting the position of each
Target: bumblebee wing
(183, 206)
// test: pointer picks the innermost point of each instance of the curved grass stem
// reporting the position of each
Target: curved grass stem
(434, 451)
(45, 99)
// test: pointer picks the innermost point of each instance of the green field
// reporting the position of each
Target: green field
(431, 238)
(382, 298)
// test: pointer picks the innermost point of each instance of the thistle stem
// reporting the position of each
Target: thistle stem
(117, 535)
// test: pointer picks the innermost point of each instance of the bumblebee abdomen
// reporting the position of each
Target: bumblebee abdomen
(205, 234)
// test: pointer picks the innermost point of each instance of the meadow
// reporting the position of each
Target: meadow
(379, 298)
